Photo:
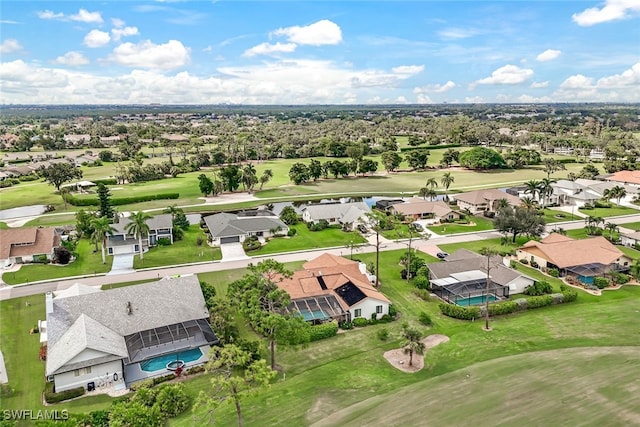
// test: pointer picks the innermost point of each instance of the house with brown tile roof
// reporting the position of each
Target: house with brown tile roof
(334, 288)
(581, 258)
(486, 200)
(417, 208)
(20, 245)
(625, 177)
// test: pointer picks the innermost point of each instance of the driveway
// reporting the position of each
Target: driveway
(232, 252)
(122, 264)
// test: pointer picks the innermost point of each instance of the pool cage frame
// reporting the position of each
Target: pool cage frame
(319, 309)
(456, 291)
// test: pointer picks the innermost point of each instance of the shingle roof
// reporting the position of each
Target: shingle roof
(463, 261)
(336, 210)
(228, 225)
(482, 196)
(38, 240)
(569, 252)
(154, 223)
(416, 206)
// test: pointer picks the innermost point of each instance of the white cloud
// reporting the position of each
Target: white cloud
(539, 85)
(474, 100)
(629, 78)
(435, 88)
(577, 81)
(8, 22)
(423, 99)
(48, 14)
(72, 59)
(408, 69)
(458, 33)
(87, 17)
(20, 78)
(120, 32)
(548, 55)
(10, 45)
(146, 54)
(97, 38)
(507, 75)
(323, 32)
(270, 49)
(401, 100)
(118, 23)
(612, 10)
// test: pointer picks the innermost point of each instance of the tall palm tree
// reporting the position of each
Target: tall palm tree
(412, 342)
(428, 192)
(432, 183)
(533, 188)
(101, 229)
(529, 204)
(487, 252)
(266, 176)
(249, 177)
(446, 181)
(546, 189)
(138, 227)
(612, 228)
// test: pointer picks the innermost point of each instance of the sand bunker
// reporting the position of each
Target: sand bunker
(400, 360)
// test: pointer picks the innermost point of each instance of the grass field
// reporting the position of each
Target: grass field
(551, 215)
(305, 239)
(632, 225)
(87, 262)
(180, 252)
(476, 223)
(607, 212)
(586, 386)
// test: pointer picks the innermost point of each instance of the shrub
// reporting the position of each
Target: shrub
(569, 295)
(538, 288)
(172, 400)
(383, 334)
(533, 264)
(105, 181)
(323, 330)
(51, 397)
(539, 301)
(360, 322)
(346, 325)
(93, 201)
(423, 294)
(421, 282)
(199, 241)
(164, 378)
(554, 272)
(393, 311)
(425, 319)
(142, 384)
(458, 312)
(252, 347)
(601, 282)
(195, 370)
(513, 264)
(505, 307)
(524, 261)
(521, 303)
(251, 244)
(620, 278)
(292, 232)
(385, 319)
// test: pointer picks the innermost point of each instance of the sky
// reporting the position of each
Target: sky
(319, 52)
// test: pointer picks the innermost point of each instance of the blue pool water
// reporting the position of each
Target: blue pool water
(160, 363)
(475, 300)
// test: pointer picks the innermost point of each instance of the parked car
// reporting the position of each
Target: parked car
(362, 228)
(442, 255)
(417, 226)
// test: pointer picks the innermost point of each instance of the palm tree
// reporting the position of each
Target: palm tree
(138, 226)
(617, 193)
(432, 183)
(249, 177)
(529, 204)
(612, 228)
(428, 192)
(412, 342)
(446, 182)
(266, 176)
(546, 189)
(487, 252)
(101, 229)
(533, 188)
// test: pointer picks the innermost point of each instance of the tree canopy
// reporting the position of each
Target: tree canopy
(481, 158)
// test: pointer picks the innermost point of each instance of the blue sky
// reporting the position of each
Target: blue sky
(325, 52)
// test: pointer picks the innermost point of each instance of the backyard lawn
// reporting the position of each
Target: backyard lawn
(87, 262)
(476, 223)
(607, 212)
(180, 252)
(305, 239)
(551, 215)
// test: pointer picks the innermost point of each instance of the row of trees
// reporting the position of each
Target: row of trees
(230, 177)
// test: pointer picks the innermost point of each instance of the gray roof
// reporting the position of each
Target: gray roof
(465, 261)
(78, 321)
(228, 225)
(154, 223)
(344, 211)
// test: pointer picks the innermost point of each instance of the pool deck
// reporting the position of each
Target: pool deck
(133, 373)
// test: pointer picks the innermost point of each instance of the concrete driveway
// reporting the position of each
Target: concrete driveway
(122, 264)
(232, 252)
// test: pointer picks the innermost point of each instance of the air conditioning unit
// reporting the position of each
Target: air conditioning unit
(91, 386)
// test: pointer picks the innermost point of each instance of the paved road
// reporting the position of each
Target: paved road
(8, 292)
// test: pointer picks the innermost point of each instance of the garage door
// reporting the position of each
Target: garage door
(234, 239)
(122, 250)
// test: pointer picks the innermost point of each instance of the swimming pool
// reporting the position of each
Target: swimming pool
(475, 300)
(160, 363)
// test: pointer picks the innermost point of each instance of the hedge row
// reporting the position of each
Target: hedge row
(323, 330)
(507, 307)
(430, 147)
(106, 181)
(94, 201)
(51, 397)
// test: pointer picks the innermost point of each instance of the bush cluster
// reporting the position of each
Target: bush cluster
(94, 201)
(538, 288)
(425, 319)
(554, 272)
(52, 397)
(105, 181)
(360, 322)
(459, 312)
(251, 244)
(423, 294)
(164, 378)
(323, 330)
(601, 282)
(318, 226)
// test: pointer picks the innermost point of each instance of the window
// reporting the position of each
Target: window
(87, 370)
(358, 312)
(76, 373)
(378, 309)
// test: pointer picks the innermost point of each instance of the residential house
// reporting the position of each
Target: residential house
(233, 228)
(104, 339)
(630, 239)
(481, 201)
(625, 177)
(121, 242)
(462, 278)
(385, 204)
(345, 214)
(416, 208)
(584, 191)
(75, 139)
(583, 258)
(21, 245)
(330, 287)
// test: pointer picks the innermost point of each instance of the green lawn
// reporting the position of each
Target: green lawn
(551, 215)
(612, 211)
(305, 239)
(87, 262)
(180, 252)
(476, 223)
(632, 225)
(630, 252)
